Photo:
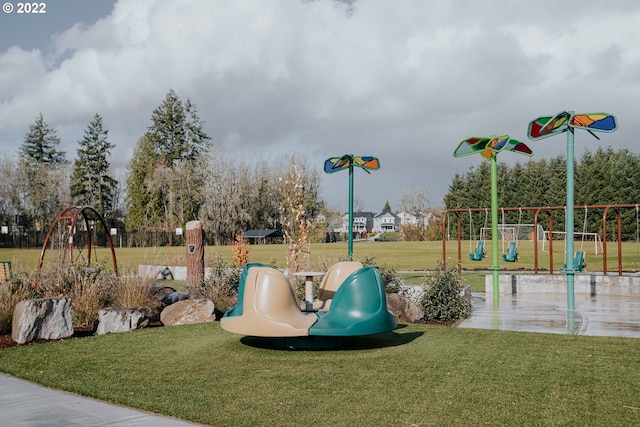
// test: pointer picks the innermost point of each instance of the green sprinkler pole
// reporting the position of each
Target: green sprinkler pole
(569, 270)
(495, 267)
(350, 232)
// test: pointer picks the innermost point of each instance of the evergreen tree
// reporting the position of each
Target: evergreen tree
(386, 208)
(42, 172)
(40, 143)
(91, 182)
(165, 178)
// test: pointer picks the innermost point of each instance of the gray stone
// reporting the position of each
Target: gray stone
(121, 319)
(188, 311)
(42, 318)
(174, 297)
(404, 309)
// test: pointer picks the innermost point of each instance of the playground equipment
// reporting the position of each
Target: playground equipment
(479, 254)
(348, 161)
(537, 232)
(567, 121)
(489, 149)
(512, 252)
(77, 241)
(351, 302)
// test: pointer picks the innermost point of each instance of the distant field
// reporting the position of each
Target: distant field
(401, 256)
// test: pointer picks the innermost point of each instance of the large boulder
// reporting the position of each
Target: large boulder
(404, 309)
(174, 297)
(188, 311)
(42, 319)
(121, 319)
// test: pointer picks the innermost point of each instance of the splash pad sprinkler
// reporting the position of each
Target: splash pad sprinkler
(567, 121)
(348, 161)
(489, 149)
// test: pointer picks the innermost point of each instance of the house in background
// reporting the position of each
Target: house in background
(362, 223)
(386, 222)
(415, 218)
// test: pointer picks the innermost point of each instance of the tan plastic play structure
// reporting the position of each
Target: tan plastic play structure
(351, 301)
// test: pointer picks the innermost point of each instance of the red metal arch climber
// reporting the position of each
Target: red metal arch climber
(67, 225)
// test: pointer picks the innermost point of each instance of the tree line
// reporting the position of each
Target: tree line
(602, 177)
(174, 176)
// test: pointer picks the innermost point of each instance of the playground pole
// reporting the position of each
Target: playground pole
(350, 232)
(569, 269)
(495, 266)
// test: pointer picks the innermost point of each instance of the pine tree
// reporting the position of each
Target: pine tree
(42, 172)
(91, 182)
(39, 145)
(167, 167)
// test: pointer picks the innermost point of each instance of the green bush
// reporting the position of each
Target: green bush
(442, 299)
(219, 287)
(389, 236)
(390, 277)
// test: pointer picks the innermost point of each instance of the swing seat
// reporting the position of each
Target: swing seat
(512, 253)
(579, 263)
(478, 255)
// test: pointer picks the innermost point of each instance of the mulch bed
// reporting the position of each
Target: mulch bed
(6, 341)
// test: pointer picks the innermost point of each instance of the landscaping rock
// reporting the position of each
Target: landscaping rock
(188, 311)
(159, 292)
(121, 319)
(404, 309)
(42, 318)
(174, 297)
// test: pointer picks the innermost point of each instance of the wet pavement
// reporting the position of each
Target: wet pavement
(599, 315)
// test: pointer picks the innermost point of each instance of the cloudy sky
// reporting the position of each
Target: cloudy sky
(403, 80)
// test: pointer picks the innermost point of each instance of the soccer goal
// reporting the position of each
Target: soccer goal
(511, 232)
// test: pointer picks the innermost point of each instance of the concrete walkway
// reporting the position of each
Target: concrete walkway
(599, 315)
(26, 404)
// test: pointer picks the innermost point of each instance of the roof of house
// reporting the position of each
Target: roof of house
(259, 234)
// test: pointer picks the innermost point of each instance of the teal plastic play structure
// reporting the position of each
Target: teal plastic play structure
(478, 255)
(351, 302)
(512, 253)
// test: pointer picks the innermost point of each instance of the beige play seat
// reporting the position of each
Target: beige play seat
(335, 276)
(270, 308)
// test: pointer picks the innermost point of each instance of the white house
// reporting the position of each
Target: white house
(386, 221)
(362, 222)
(415, 218)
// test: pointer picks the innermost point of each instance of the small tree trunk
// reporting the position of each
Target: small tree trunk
(195, 253)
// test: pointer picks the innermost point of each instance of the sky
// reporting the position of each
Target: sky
(402, 80)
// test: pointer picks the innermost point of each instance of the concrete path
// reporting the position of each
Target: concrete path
(26, 404)
(600, 315)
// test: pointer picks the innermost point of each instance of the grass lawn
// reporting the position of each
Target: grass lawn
(417, 375)
(401, 256)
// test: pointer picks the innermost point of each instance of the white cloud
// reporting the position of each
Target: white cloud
(404, 81)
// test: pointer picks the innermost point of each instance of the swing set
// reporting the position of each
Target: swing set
(511, 254)
(538, 234)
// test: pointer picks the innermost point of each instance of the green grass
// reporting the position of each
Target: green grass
(417, 375)
(401, 256)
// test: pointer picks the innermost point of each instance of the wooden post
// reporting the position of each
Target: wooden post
(195, 253)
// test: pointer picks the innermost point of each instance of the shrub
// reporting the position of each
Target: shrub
(135, 292)
(442, 298)
(390, 278)
(220, 286)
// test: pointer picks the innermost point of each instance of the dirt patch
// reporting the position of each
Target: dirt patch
(6, 341)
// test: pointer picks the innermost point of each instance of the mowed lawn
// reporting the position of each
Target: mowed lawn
(416, 375)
